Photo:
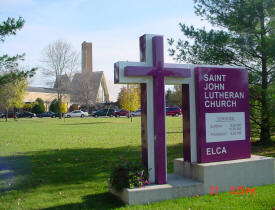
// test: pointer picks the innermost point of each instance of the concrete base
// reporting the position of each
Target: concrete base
(254, 171)
(191, 179)
(177, 186)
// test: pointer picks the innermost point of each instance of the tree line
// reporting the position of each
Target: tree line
(13, 78)
(243, 34)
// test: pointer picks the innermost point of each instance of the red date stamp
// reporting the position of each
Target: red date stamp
(239, 190)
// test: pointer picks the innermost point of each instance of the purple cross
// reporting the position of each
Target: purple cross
(158, 71)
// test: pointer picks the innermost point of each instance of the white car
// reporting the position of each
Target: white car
(136, 113)
(76, 113)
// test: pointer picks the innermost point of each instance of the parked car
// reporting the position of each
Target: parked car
(173, 111)
(76, 113)
(136, 113)
(55, 115)
(46, 114)
(11, 114)
(94, 111)
(121, 112)
(104, 112)
(2, 115)
(26, 114)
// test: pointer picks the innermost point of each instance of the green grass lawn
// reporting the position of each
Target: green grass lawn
(52, 164)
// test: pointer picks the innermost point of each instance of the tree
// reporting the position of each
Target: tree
(28, 106)
(73, 107)
(60, 62)
(63, 107)
(11, 95)
(7, 28)
(245, 38)
(12, 78)
(174, 97)
(54, 106)
(39, 106)
(129, 98)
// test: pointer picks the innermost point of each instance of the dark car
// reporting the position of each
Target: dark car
(104, 112)
(54, 115)
(11, 114)
(173, 111)
(46, 114)
(121, 113)
(2, 115)
(26, 114)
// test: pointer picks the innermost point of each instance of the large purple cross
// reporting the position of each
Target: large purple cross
(158, 71)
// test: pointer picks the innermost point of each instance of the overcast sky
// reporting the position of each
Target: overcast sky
(112, 26)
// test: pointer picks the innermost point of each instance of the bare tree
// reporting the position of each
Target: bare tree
(60, 62)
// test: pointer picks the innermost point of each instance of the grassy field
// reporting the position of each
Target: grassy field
(52, 164)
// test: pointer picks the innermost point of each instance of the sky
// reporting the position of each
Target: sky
(112, 26)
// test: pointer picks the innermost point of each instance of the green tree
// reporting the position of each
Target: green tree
(11, 95)
(39, 106)
(54, 106)
(28, 106)
(129, 98)
(174, 97)
(9, 70)
(245, 37)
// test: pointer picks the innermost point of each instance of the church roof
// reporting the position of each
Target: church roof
(64, 81)
(32, 93)
(94, 79)
(40, 89)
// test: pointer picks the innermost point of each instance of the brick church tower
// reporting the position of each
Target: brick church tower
(87, 57)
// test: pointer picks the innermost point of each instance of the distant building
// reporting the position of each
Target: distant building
(46, 94)
(91, 85)
(96, 87)
(89, 80)
(64, 80)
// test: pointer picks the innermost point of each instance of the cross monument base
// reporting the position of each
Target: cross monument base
(191, 179)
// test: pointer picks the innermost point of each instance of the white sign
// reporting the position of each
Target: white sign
(226, 126)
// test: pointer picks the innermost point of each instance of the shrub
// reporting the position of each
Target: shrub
(54, 106)
(39, 106)
(129, 175)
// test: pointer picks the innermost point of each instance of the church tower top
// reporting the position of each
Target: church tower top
(86, 57)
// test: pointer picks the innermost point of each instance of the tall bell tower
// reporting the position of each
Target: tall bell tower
(87, 57)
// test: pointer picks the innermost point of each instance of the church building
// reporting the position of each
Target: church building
(88, 84)
(94, 82)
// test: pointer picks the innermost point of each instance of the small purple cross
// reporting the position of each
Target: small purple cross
(158, 71)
